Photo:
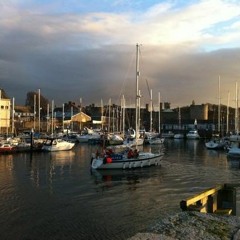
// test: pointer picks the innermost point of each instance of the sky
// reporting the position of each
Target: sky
(78, 49)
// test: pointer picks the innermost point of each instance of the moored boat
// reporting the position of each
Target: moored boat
(126, 160)
(193, 134)
(7, 148)
(178, 136)
(57, 144)
(216, 144)
(156, 141)
(130, 158)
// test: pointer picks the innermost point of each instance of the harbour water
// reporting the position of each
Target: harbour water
(55, 196)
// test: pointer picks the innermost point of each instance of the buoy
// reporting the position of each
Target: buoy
(109, 160)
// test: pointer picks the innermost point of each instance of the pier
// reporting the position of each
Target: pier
(220, 200)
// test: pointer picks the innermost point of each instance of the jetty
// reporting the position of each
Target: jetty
(220, 199)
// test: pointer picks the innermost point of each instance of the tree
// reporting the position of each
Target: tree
(43, 102)
(3, 94)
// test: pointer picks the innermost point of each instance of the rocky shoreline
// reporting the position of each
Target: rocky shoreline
(193, 225)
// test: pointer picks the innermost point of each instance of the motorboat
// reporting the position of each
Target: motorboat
(193, 134)
(125, 160)
(57, 144)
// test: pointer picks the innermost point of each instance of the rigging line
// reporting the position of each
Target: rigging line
(132, 60)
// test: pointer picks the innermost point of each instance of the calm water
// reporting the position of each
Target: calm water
(55, 196)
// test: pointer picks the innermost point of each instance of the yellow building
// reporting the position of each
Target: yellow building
(5, 114)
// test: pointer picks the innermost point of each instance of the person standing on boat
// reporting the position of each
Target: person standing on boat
(130, 153)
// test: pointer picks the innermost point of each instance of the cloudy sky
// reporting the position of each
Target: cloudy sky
(72, 49)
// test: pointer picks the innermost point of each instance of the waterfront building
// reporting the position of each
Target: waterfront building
(5, 113)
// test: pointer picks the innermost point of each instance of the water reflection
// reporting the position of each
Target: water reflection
(54, 195)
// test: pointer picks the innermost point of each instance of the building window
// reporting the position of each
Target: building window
(6, 107)
(2, 107)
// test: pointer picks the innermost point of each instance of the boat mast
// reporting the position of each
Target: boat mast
(159, 113)
(39, 111)
(52, 130)
(123, 115)
(13, 112)
(102, 113)
(236, 111)
(179, 119)
(151, 109)
(227, 130)
(219, 107)
(137, 91)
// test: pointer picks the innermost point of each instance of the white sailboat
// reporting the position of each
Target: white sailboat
(129, 158)
(216, 142)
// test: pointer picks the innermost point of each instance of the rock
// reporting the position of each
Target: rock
(193, 225)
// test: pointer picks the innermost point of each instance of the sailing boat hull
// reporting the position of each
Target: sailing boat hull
(143, 160)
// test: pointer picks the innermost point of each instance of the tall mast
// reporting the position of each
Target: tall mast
(151, 109)
(236, 111)
(159, 113)
(219, 107)
(102, 113)
(123, 114)
(137, 88)
(52, 116)
(13, 113)
(227, 130)
(39, 111)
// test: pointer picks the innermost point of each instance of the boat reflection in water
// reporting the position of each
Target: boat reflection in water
(234, 162)
(116, 177)
(53, 196)
(62, 157)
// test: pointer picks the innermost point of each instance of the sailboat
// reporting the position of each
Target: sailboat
(129, 158)
(216, 142)
(179, 135)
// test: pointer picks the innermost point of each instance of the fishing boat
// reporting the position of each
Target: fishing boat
(57, 144)
(130, 158)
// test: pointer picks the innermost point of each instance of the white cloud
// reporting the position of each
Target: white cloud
(94, 47)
